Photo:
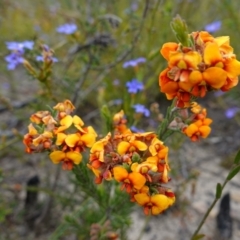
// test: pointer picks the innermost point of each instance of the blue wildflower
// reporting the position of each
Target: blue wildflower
(136, 130)
(213, 27)
(139, 108)
(134, 86)
(134, 62)
(14, 59)
(16, 56)
(20, 45)
(68, 28)
(231, 112)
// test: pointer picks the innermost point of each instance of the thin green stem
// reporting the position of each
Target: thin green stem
(207, 213)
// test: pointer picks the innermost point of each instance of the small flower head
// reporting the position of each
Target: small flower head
(134, 62)
(67, 28)
(209, 64)
(14, 59)
(139, 108)
(231, 112)
(213, 27)
(64, 136)
(134, 86)
(154, 204)
(47, 55)
(20, 45)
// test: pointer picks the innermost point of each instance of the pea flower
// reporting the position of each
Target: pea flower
(134, 86)
(139, 108)
(67, 28)
(192, 73)
(154, 204)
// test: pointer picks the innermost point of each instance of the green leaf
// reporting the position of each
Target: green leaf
(199, 236)
(180, 30)
(233, 173)
(162, 127)
(218, 190)
(237, 158)
(106, 115)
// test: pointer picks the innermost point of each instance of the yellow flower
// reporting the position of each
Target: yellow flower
(65, 123)
(129, 180)
(67, 158)
(131, 146)
(81, 140)
(200, 128)
(152, 204)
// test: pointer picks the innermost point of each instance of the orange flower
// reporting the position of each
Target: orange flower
(188, 60)
(167, 85)
(144, 169)
(200, 128)
(28, 138)
(153, 204)
(131, 146)
(65, 106)
(38, 116)
(65, 123)
(45, 139)
(168, 48)
(97, 150)
(129, 180)
(67, 158)
(82, 140)
(192, 71)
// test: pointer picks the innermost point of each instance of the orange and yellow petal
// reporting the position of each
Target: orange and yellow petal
(72, 139)
(75, 157)
(140, 145)
(137, 180)
(32, 130)
(142, 198)
(123, 147)
(168, 48)
(160, 202)
(191, 129)
(215, 77)
(78, 123)
(57, 156)
(212, 54)
(205, 131)
(60, 138)
(120, 173)
(232, 67)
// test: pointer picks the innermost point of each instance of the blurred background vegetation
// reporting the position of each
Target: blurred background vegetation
(90, 73)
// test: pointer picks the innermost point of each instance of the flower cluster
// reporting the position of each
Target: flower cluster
(47, 55)
(62, 135)
(208, 64)
(199, 125)
(17, 50)
(194, 125)
(139, 161)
